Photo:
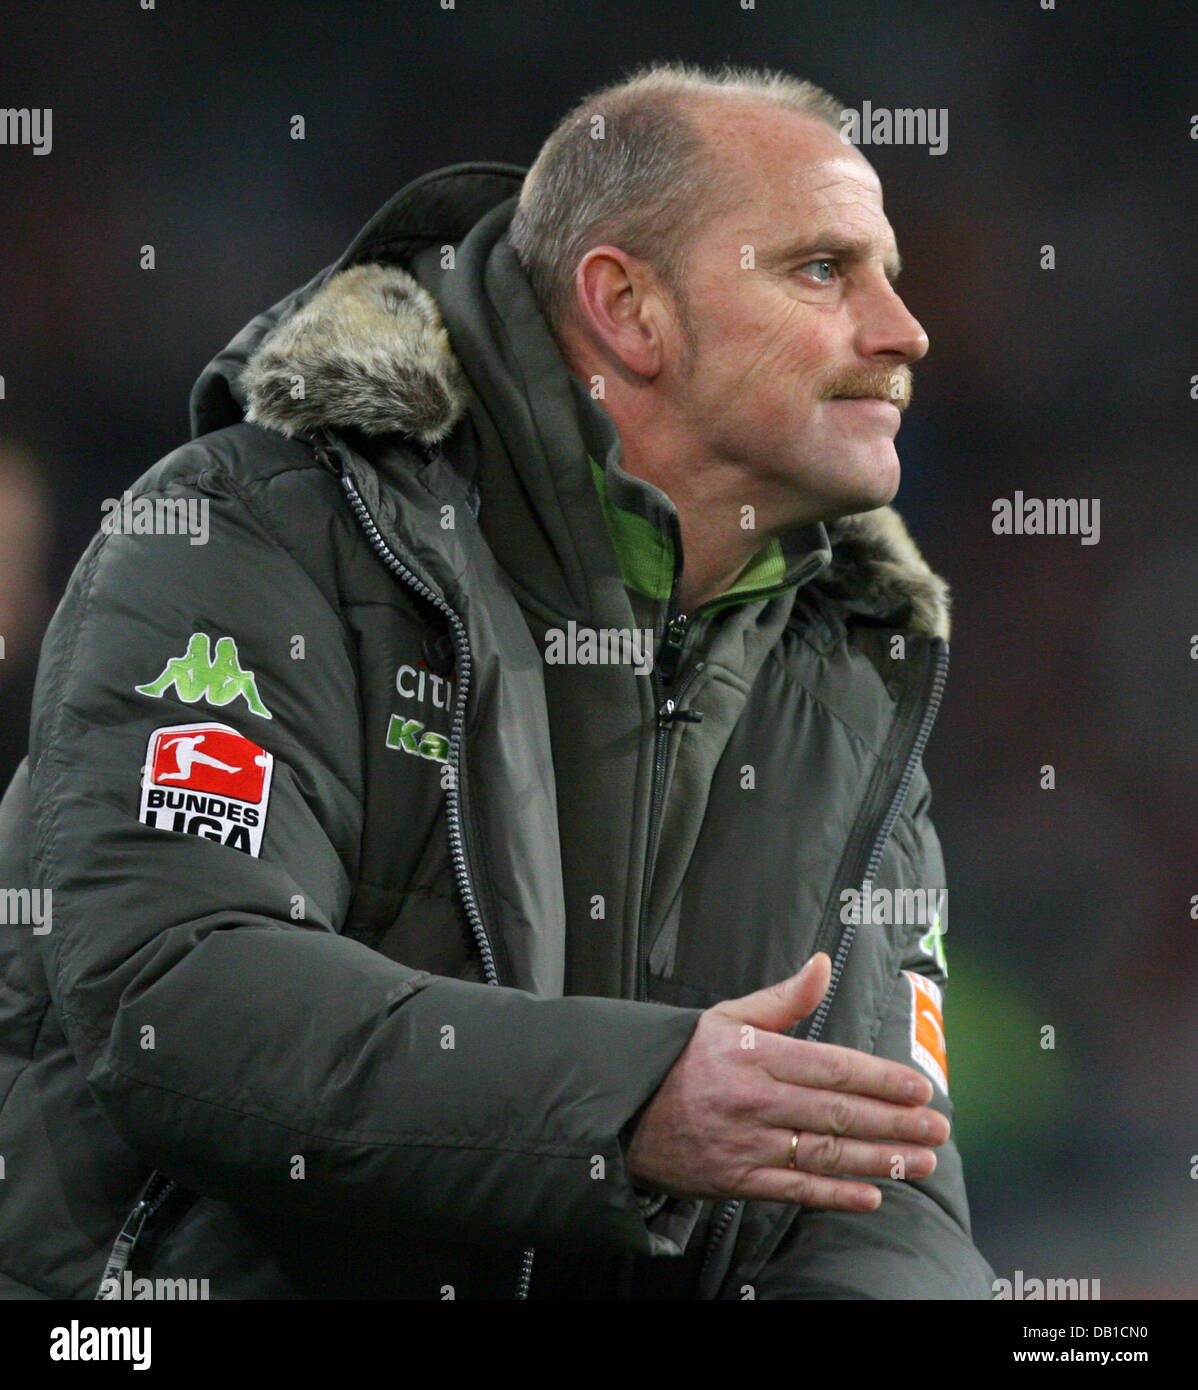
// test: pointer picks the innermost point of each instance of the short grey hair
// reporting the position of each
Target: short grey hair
(630, 167)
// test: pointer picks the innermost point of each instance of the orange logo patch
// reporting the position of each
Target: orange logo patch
(927, 1028)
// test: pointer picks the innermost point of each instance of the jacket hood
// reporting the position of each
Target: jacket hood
(436, 209)
(366, 346)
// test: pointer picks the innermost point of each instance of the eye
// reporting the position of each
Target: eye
(823, 271)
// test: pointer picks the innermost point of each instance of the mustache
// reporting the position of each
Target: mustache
(893, 384)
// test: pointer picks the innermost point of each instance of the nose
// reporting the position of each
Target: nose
(886, 328)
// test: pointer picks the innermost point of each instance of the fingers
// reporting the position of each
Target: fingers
(830, 1154)
(811, 1190)
(742, 1088)
(779, 1006)
(852, 1117)
(817, 1157)
(833, 1068)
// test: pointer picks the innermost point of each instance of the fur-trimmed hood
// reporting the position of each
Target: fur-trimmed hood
(368, 351)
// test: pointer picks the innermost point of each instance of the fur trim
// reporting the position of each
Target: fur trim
(877, 566)
(370, 352)
(373, 355)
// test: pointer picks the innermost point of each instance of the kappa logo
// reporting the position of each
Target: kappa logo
(207, 780)
(931, 943)
(199, 675)
(928, 1046)
(410, 736)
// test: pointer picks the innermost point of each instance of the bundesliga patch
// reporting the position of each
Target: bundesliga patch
(928, 1047)
(207, 780)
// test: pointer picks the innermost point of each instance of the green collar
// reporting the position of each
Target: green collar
(638, 525)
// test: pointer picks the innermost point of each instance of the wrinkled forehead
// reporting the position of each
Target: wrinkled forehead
(792, 175)
(840, 193)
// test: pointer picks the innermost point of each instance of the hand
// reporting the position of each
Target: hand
(721, 1123)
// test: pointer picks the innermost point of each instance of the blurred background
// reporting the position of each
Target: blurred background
(1069, 908)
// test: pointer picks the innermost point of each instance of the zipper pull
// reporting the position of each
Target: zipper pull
(669, 713)
(110, 1280)
(670, 710)
(671, 647)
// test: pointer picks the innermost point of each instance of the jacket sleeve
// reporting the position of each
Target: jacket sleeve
(918, 1243)
(232, 1036)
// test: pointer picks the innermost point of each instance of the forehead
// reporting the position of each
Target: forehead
(794, 174)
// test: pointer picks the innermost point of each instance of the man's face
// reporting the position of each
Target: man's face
(790, 301)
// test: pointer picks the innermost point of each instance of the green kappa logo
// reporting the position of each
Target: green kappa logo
(198, 675)
(932, 944)
(410, 736)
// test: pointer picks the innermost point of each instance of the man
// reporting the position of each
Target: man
(467, 965)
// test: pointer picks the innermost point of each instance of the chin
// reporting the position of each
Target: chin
(869, 493)
(881, 487)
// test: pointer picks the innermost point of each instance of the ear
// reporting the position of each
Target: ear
(620, 304)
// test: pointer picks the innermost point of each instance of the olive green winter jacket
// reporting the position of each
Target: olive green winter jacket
(370, 928)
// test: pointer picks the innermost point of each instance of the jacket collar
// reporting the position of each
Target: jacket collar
(643, 526)
(368, 351)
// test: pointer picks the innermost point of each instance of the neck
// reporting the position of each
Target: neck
(722, 515)
(711, 506)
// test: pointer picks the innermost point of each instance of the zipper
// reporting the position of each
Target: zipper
(668, 712)
(157, 1189)
(453, 805)
(461, 686)
(671, 646)
(939, 675)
